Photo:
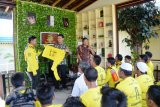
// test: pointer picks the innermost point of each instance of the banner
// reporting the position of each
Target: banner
(55, 54)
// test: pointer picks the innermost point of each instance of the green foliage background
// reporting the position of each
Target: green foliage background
(23, 30)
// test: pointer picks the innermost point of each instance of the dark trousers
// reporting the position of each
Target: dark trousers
(34, 80)
(62, 72)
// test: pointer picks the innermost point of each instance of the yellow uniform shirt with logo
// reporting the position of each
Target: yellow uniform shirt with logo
(92, 97)
(144, 81)
(132, 90)
(109, 79)
(31, 57)
(101, 80)
(150, 73)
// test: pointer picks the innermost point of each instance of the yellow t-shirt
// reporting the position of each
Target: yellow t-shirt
(109, 79)
(101, 80)
(132, 90)
(58, 105)
(31, 57)
(150, 72)
(150, 65)
(118, 64)
(144, 81)
(92, 97)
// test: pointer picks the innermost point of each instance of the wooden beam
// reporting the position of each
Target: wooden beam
(67, 4)
(55, 3)
(42, 1)
(80, 4)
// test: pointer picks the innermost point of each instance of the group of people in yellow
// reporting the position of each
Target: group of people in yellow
(120, 85)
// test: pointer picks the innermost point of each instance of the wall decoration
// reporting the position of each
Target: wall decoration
(65, 22)
(110, 33)
(110, 43)
(49, 38)
(22, 30)
(109, 24)
(31, 18)
(103, 52)
(101, 13)
(50, 20)
(101, 24)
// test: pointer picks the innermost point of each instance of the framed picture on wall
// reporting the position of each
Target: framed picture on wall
(65, 22)
(31, 18)
(48, 38)
(50, 20)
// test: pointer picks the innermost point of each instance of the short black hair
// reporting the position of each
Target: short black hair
(45, 94)
(126, 72)
(154, 94)
(61, 35)
(31, 38)
(17, 79)
(144, 57)
(128, 57)
(111, 60)
(73, 102)
(149, 54)
(97, 59)
(112, 97)
(83, 39)
(91, 74)
(120, 57)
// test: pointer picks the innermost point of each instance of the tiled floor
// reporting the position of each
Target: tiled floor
(61, 96)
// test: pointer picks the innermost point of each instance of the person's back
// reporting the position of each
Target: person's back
(111, 78)
(112, 97)
(95, 62)
(130, 86)
(92, 97)
(20, 96)
(101, 80)
(144, 81)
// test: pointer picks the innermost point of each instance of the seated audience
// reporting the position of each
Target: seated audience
(129, 86)
(73, 102)
(144, 58)
(80, 86)
(111, 78)
(128, 59)
(112, 97)
(45, 95)
(95, 62)
(92, 97)
(143, 79)
(153, 96)
(118, 59)
(20, 96)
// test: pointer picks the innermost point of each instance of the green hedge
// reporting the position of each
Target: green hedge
(23, 30)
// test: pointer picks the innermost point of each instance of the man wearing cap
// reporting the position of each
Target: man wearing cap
(129, 86)
(143, 79)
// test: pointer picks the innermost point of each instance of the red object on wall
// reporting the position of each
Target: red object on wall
(109, 55)
(100, 24)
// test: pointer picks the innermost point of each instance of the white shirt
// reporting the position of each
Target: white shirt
(2, 102)
(79, 87)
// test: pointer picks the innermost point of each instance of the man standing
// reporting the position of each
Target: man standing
(144, 80)
(62, 68)
(84, 51)
(31, 57)
(129, 86)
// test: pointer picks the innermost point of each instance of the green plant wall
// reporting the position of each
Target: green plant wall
(23, 30)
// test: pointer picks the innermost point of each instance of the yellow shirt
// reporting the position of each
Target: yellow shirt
(144, 81)
(37, 104)
(92, 97)
(109, 79)
(132, 90)
(101, 80)
(150, 72)
(31, 57)
(118, 64)
(58, 105)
